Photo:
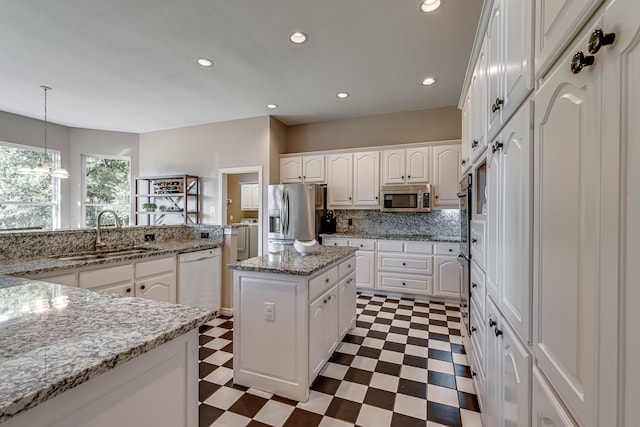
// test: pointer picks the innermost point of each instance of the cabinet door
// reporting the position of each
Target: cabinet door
(568, 219)
(366, 179)
(447, 277)
(417, 163)
(159, 288)
(365, 269)
(446, 169)
(334, 241)
(255, 196)
(347, 304)
(517, 71)
(479, 104)
(313, 169)
(514, 221)
(495, 62)
(393, 163)
(339, 185)
(514, 377)
(556, 20)
(546, 410)
(290, 169)
(466, 135)
(493, 250)
(323, 329)
(492, 365)
(246, 202)
(107, 278)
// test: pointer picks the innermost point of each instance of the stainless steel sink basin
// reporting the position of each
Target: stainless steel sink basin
(85, 256)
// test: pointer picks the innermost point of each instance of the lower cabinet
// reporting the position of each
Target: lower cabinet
(323, 329)
(447, 271)
(347, 294)
(156, 279)
(116, 279)
(507, 398)
(547, 409)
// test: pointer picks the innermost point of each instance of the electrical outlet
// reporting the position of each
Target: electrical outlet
(350, 221)
(149, 237)
(204, 235)
(269, 311)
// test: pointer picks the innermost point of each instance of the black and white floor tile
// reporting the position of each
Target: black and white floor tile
(402, 365)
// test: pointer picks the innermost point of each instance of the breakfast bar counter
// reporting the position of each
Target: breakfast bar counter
(72, 356)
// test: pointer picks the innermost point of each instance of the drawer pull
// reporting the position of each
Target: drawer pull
(598, 39)
(474, 285)
(580, 61)
(474, 144)
(404, 284)
(498, 332)
(473, 329)
(128, 290)
(404, 263)
(474, 241)
(450, 250)
(492, 323)
(348, 265)
(362, 246)
(142, 287)
(326, 280)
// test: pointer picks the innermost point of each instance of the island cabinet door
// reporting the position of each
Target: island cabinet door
(347, 304)
(323, 330)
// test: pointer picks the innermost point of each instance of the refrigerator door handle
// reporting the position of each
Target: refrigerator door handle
(285, 208)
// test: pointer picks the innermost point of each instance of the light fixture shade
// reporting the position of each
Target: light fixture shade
(24, 170)
(42, 169)
(60, 172)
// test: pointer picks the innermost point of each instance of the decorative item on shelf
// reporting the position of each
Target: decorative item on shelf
(43, 168)
(150, 207)
(306, 248)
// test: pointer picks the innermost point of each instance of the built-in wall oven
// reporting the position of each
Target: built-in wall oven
(464, 257)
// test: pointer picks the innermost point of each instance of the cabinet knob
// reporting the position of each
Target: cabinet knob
(473, 373)
(474, 241)
(362, 246)
(404, 284)
(498, 332)
(349, 198)
(326, 280)
(492, 323)
(474, 285)
(299, 177)
(497, 105)
(129, 290)
(496, 146)
(464, 162)
(142, 287)
(474, 144)
(335, 244)
(304, 177)
(580, 61)
(348, 265)
(404, 263)
(324, 301)
(473, 329)
(409, 176)
(402, 177)
(598, 39)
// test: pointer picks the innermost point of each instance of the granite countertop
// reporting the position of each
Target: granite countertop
(419, 237)
(292, 262)
(19, 267)
(56, 337)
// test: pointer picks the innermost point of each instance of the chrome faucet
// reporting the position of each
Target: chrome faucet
(99, 243)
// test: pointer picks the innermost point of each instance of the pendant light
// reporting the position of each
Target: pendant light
(43, 168)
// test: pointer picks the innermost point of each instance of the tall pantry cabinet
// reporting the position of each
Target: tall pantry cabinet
(563, 236)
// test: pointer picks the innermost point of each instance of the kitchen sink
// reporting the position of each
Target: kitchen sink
(85, 256)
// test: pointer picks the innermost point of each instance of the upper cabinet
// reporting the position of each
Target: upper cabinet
(353, 180)
(302, 169)
(403, 166)
(509, 72)
(249, 197)
(444, 177)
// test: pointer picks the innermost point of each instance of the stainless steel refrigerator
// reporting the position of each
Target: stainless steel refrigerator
(295, 212)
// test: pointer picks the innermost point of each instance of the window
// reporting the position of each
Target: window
(107, 185)
(27, 201)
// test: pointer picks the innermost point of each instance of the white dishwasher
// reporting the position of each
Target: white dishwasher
(199, 279)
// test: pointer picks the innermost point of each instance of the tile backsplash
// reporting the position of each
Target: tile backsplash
(443, 222)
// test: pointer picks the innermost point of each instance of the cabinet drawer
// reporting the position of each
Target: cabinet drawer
(418, 247)
(347, 267)
(363, 244)
(105, 276)
(414, 264)
(390, 246)
(323, 281)
(478, 241)
(447, 248)
(155, 266)
(405, 283)
(477, 287)
(334, 241)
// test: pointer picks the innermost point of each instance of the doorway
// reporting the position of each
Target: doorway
(241, 200)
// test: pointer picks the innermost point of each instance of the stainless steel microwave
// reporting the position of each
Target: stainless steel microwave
(406, 198)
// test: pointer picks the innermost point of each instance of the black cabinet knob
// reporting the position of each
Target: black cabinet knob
(404, 284)
(474, 144)
(497, 105)
(474, 285)
(326, 280)
(496, 146)
(450, 250)
(464, 162)
(474, 241)
(142, 287)
(492, 323)
(580, 61)
(598, 39)
(129, 290)
(498, 332)
(473, 329)
(404, 263)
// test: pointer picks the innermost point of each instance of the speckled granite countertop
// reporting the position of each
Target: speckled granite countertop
(422, 237)
(291, 262)
(56, 337)
(16, 267)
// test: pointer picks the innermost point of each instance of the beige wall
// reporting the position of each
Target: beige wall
(278, 145)
(234, 213)
(439, 124)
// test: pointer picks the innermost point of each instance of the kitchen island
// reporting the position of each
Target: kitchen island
(290, 313)
(71, 356)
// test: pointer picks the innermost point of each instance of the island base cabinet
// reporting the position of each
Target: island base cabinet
(158, 388)
(347, 303)
(323, 330)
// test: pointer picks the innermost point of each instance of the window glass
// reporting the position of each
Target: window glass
(107, 185)
(27, 201)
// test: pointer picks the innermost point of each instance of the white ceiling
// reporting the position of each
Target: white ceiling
(129, 65)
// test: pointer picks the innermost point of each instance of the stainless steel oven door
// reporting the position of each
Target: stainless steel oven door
(465, 267)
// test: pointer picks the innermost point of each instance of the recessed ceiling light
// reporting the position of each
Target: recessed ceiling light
(204, 62)
(272, 106)
(428, 81)
(342, 95)
(430, 5)
(298, 37)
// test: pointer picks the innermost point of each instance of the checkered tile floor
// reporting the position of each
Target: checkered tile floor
(402, 365)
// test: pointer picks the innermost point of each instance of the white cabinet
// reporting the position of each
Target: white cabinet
(156, 279)
(507, 399)
(479, 105)
(447, 277)
(353, 180)
(249, 197)
(365, 258)
(347, 304)
(547, 409)
(117, 279)
(404, 166)
(509, 59)
(445, 173)
(67, 279)
(340, 180)
(405, 266)
(323, 329)
(557, 21)
(302, 169)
